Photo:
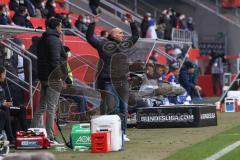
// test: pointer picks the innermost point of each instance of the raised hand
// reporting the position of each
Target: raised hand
(130, 18)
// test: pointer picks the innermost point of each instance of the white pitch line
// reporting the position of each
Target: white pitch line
(224, 151)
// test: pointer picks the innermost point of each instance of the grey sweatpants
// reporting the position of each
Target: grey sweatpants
(48, 102)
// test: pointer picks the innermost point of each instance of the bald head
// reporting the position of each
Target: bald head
(117, 34)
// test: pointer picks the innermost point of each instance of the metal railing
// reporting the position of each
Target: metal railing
(234, 21)
(182, 35)
(86, 11)
(120, 10)
(75, 32)
(30, 70)
(140, 7)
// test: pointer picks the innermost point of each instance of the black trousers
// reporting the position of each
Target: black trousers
(5, 124)
(19, 120)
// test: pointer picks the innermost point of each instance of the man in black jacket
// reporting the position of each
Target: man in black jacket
(113, 76)
(21, 18)
(4, 105)
(49, 63)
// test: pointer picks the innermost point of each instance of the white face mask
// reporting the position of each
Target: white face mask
(43, 4)
(69, 54)
(28, 18)
(84, 20)
(23, 46)
(168, 16)
(54, 5)
(182, 17)
(6, 13)
(88, 21)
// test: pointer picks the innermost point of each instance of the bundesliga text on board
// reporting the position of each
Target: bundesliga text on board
(185, 117)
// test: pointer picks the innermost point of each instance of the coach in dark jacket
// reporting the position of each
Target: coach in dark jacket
(113, 76)
(49, 62)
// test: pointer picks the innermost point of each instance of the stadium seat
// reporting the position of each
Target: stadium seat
(4, 1)
(237, 3)
(38, 22)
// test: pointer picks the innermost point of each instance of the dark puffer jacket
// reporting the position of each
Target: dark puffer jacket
(21, 20)
(50, 50)
(118, 58)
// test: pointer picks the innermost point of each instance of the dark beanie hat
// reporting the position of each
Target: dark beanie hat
(189, 64)
(53, 23)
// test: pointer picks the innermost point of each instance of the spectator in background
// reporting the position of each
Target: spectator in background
(21, 18)
(14, 5)
(66, 22)
(149, 81)
(159, 70)
(4, 19)
(165, 72)
(161, 26)
(104, 34)
(145, 25)
(41, 11)
(20, 61)
(153, 58)
(169, 25)
(94, 6)
(216, 63)
(30, 8)
(151, 31)
(185, 75)
(181, 23)
(4, 116)
(82, 23)
(50, 6)
(190, 25)
(172, 76)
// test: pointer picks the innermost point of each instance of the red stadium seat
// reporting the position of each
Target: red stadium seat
(4, 1)
(227, 3)
(59, 9)
(38, 22)
(237, 3)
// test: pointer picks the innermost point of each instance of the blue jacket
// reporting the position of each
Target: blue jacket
(185, 80)
(3, 20)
